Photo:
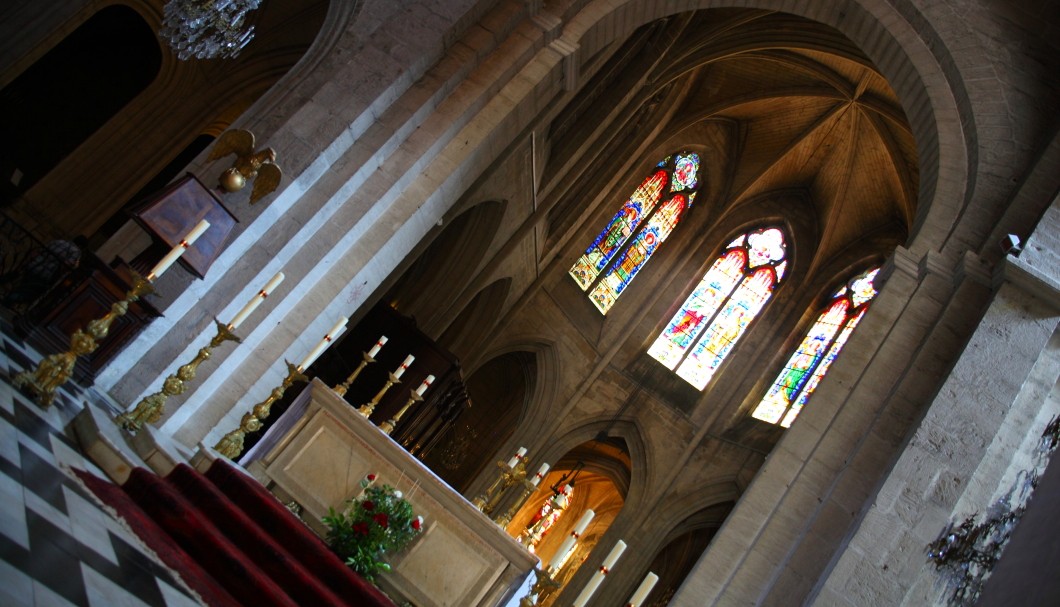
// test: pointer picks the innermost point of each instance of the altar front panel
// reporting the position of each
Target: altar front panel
(462, 558)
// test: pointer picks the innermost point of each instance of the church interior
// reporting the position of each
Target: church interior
(773, 287)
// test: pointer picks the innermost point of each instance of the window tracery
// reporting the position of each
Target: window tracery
(709, 323)
(818, 349)
(638, 228)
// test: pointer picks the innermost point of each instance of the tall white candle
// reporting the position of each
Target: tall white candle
(329, 337)
(540, 474)
(518, 456)
(256, 301)
(177, 250)
(426, 384)
(643, 590)
(568, 542)
(378, 346)
(403, 366)
(598, 578)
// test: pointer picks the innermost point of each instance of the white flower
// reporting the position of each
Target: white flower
(399, 494)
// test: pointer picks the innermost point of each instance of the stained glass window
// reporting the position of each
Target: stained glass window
(818, 349)
(637, 229)
(546, 517)
(714, 317)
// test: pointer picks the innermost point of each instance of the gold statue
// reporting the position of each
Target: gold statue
(259, 167)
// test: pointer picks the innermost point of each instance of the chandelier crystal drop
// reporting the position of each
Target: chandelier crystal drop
(207, 29)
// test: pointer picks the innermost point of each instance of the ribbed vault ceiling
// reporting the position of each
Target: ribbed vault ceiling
(810, 113)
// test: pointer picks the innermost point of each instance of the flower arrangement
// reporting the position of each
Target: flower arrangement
(376, 522)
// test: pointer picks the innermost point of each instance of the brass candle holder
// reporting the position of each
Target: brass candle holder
(509, 476)
(388, 426)
(543, 588)
(505, 519)
(369, 407)
(344, 386)
(150, 409)
(54, 371)
(231, 446)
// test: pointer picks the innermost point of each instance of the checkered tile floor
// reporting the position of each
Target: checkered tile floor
(58, 547)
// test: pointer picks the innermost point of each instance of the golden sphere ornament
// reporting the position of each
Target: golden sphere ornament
(232, 180)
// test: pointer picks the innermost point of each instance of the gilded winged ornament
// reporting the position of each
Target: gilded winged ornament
(259, 167)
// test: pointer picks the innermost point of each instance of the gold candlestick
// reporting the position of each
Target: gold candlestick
(543, 587)
(53, 371)
(150, 409)
(509, 476)
(369, 407)
(232, 444)
(480, 501)
(506, 518)
(344, 386)
(388, 426)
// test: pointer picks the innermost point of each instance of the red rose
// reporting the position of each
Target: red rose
(368, 505)
(417, 523)
(371, 478)
(381, 519)
(361, 528)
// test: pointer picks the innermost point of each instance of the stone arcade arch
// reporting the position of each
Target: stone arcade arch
(499, 391)
(681, 549)
(431, 285)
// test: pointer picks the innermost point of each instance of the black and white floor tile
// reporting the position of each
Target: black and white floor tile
(58, 547)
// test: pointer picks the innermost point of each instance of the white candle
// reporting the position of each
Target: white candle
(329, 337)
(643, 590)
(177, 250)
(405, 365)
(568, 542)
(598, 578)
(377, 347)
(518, 456)
(426, 384)
(540, 475)
(561, 500)
(256, 301)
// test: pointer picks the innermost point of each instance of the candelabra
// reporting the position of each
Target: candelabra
(232, 444)
(53, 371)
(150, 409)
(509, 476)
(389, 425)
(344, 386)
(369, 407)
(506, 518)
(543, 587)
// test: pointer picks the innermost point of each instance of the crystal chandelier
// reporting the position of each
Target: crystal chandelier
(207, 29)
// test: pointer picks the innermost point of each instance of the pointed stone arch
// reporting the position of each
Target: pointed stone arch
(476, 321)
(498, 391)
(435, 283)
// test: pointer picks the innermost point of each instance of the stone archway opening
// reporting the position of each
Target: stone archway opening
(498, 392)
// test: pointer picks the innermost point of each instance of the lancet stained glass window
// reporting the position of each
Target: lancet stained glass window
(716, 314)
(637, 229)
(818, 349)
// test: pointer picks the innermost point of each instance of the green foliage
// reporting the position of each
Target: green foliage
(376, 523)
